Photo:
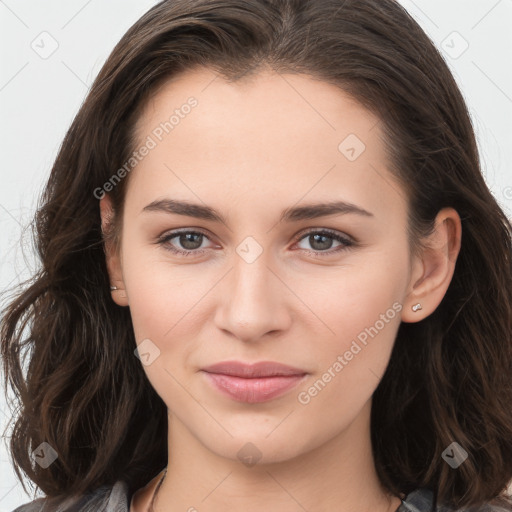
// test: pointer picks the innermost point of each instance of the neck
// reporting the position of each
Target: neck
(338, 475)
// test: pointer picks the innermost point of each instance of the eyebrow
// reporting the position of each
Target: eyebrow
(293, 214)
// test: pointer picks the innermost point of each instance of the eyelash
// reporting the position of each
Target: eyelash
(345, 241)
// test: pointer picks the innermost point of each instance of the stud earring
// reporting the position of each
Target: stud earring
(416, 307)
(112, 288)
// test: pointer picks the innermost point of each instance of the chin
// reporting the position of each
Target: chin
(252, 445)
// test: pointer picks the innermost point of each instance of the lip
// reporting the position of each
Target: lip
(253, 383)
(252, 370)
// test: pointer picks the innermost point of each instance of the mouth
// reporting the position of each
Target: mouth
(253, 383)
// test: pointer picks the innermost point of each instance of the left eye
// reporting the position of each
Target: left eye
(323, 241)
(191, 242)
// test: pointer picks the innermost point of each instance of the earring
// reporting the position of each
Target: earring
(416, 307)
(112, 288)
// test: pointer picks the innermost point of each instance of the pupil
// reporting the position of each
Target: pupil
(325, 245)
(187, 239)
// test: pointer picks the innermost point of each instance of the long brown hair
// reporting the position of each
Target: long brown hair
(449, 377)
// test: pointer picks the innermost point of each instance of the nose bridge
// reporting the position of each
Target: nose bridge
(251, 303)
(251, 281)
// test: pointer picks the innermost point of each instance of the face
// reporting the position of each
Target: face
(252, 271)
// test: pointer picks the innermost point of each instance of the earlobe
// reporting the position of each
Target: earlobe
(433, 269)
(113, 261)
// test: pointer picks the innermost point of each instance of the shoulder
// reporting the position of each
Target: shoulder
(422, 500)
(113, 498)
(486, 507)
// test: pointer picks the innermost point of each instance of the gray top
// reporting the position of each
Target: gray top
(117, 499)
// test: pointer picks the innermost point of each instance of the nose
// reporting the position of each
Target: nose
(254, 301)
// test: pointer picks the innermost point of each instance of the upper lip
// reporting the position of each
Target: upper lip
(252, 370)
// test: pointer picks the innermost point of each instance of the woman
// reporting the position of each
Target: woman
(273, 277)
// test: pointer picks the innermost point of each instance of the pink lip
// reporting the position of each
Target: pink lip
(260, 369)
(253, 383)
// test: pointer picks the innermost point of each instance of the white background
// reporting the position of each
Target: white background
(40, 96)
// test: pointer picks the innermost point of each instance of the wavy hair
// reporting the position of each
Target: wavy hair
(449, 376)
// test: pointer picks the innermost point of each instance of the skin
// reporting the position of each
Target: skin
(250, 150)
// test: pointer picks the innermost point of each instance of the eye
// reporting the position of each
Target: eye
(322, 240)
(191, 241)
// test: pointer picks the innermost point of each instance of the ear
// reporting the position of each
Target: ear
(433, 269)
(112, 253)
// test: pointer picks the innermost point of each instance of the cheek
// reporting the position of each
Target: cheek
(350, 300)
(164, 321)
(166, 309)
(159, 293)
(360, 312)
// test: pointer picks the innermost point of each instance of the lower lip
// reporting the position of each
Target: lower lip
(254, 390)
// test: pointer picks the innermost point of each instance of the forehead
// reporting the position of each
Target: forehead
(268, 133)
(260, 99)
